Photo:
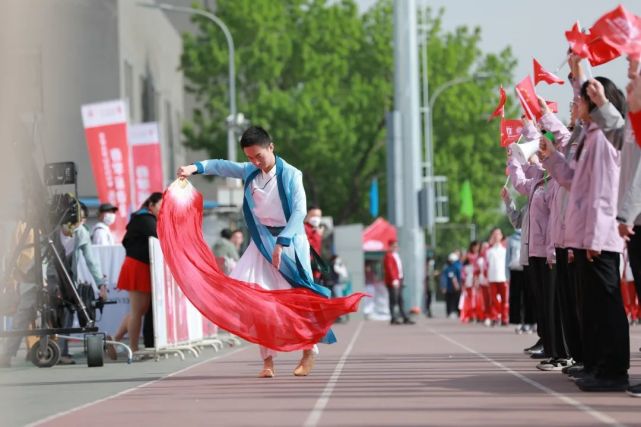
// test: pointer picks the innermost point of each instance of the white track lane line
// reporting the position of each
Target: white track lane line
(321, 403)
(606, 419)
(95, 402)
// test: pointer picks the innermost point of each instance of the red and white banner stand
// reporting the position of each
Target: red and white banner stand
(105, 126)
(144, 140)
(178, 325)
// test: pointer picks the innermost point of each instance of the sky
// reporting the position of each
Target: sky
(533, 29)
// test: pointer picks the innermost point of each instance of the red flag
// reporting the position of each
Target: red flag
(621, 30)
(600, 52)
(527, 96)
(554, 107)
(592, 47)
(510, 131)
(500, 109)
(542, 75)
(578, 41)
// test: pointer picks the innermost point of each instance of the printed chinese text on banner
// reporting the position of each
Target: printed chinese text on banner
(146, 157)
(105, 126)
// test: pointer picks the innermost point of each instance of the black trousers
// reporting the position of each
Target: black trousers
(606, 334)
(529, 305)
(537, 274)
(569, 304)
(521, 307)
(549, 311)
(634, 255)
(396, 299)
(451, 302)
(148, 328)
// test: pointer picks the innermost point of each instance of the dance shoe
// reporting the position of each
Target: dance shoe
(305, 365)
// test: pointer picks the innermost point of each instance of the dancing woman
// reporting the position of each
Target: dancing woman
(275, 204)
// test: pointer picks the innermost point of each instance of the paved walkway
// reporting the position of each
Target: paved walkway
(437, 372)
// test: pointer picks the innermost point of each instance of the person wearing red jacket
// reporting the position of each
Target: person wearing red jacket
(315, 236)
(394, 281)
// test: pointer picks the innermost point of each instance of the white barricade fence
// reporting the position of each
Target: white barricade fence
(178, 325)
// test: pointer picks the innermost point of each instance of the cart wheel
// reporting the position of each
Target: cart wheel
(95, 346)
(47, 358)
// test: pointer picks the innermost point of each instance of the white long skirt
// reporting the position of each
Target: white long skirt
(252, 267)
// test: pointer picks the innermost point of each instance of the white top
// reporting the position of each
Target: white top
(399, 264)
(101, 235)
(469, 275)
(496, 264)
(68, 242)
(267, 205)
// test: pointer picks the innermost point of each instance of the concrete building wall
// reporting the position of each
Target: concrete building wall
(64, 56)
(150, 49)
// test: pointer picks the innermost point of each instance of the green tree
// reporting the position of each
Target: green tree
(319, 76)
(466, 147)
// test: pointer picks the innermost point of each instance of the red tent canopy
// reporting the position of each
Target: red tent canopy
(377, 236)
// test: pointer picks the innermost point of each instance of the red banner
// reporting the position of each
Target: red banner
(510, 131)
(147, 161)
(105, 126)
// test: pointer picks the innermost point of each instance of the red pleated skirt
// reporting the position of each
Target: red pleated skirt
(134, 276)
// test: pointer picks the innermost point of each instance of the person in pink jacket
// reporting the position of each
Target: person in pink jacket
(540, 193)
(591, 231)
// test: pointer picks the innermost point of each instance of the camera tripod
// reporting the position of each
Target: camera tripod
(36, 236)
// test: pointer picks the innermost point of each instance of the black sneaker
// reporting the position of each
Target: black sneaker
(634, 390)
(536, 347)
(539, 354)
(409, 322)
(569, 370)
(395, 322)
(580, 374)
(603, 384)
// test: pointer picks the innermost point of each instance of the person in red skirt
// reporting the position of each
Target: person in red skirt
(135, 274)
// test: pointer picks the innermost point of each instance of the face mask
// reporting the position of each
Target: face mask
(315, 221)
(109, 218)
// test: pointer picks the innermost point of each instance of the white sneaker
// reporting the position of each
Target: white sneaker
(488, 322)
(554, 364)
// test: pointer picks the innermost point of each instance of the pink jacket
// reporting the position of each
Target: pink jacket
(593, 183)
(556, 225)
(539, 201)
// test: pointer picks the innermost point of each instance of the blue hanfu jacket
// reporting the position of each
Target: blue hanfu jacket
(297, 271)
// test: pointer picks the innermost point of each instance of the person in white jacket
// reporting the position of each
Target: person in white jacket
(100, 233)
(497, 278)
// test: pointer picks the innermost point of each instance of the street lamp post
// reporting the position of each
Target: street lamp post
(429, 149)
(233, 121)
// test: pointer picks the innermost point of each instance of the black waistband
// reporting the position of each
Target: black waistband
(275, 231)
